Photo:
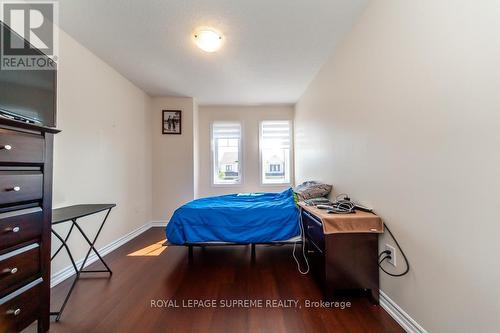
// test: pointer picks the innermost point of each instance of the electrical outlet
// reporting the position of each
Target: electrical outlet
(391, 261)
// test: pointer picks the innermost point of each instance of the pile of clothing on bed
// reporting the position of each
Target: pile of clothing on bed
(312, 190)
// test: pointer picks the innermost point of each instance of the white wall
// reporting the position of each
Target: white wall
(250, 117)
(196, 149)
(103, 154)
(405, 118)
(173, 157)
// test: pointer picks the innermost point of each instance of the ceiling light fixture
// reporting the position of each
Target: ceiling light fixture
(208, 39)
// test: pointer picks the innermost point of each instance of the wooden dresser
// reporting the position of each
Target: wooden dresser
(25, 218)
(343, 250)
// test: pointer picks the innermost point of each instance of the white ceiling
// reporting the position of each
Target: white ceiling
(272, 48)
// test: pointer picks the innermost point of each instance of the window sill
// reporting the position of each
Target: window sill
(276, 185)
(226, 185)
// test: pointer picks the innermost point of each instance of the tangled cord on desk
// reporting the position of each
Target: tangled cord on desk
(342, 205)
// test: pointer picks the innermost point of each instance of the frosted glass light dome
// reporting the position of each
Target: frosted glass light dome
(208, 39)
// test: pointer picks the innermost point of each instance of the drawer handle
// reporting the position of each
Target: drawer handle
(10, 270)
(14, 229)
(310, 251)
(15, 312)
(15, 188)
(7, 147)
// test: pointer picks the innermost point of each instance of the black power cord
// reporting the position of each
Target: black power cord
(382, 260)
(343, 205)
(389, 257)
(383, 252)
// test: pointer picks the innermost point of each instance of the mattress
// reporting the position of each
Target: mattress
(236, 218)
(296, 239)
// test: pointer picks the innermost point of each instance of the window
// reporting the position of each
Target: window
(275, 146)
(226, 153)
(274, 167)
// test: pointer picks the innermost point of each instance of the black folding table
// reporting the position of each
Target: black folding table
(72, 214)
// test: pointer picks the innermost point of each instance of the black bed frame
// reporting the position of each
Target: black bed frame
(190, 246)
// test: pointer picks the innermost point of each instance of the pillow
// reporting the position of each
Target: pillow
(312, 189)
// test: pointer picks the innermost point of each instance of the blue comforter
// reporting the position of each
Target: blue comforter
(237, 218)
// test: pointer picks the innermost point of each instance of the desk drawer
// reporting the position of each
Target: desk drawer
(314, 230)
(19, 265)
(20, 226)
(20, 186)
(20, 308)
(21, 147)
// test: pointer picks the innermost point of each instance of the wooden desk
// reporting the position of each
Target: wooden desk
(343, 250)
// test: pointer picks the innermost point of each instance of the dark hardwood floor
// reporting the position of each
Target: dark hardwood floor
(144, 271)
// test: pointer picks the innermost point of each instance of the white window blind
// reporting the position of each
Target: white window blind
(226, 130)
(276, 134)
(275, 147)
(226, 153)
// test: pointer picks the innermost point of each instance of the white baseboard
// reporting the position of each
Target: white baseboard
(69, 271)
(159, 223)
(399, 315)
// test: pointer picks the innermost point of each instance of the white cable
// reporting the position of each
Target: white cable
(342, 206)
(302, 236)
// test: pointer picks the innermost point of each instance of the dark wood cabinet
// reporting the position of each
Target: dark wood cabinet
(22, 307)
(20, 226)
(20, 186)
(19, 266)
(25, 223)
(19, 147)
(342, 261)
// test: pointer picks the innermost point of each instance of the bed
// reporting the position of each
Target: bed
(235, 219)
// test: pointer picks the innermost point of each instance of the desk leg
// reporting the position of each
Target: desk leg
(92, 247)
(374, 293)
(59, 313)
(63, 242)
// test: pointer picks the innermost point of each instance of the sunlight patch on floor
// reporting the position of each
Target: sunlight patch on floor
(152, 250)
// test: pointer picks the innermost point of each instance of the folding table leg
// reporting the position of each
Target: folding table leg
(58, 314)
(92, 247)
(63, 244)
(63, 241)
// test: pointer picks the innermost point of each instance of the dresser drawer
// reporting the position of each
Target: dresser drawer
(20, 226)
(20, 308)
(314, 230)
(19, 265)
(17, 186)
(21, 147)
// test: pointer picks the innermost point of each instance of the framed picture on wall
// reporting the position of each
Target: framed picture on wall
(172, 122)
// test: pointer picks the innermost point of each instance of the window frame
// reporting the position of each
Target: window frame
(240, 154)
(261, 165)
